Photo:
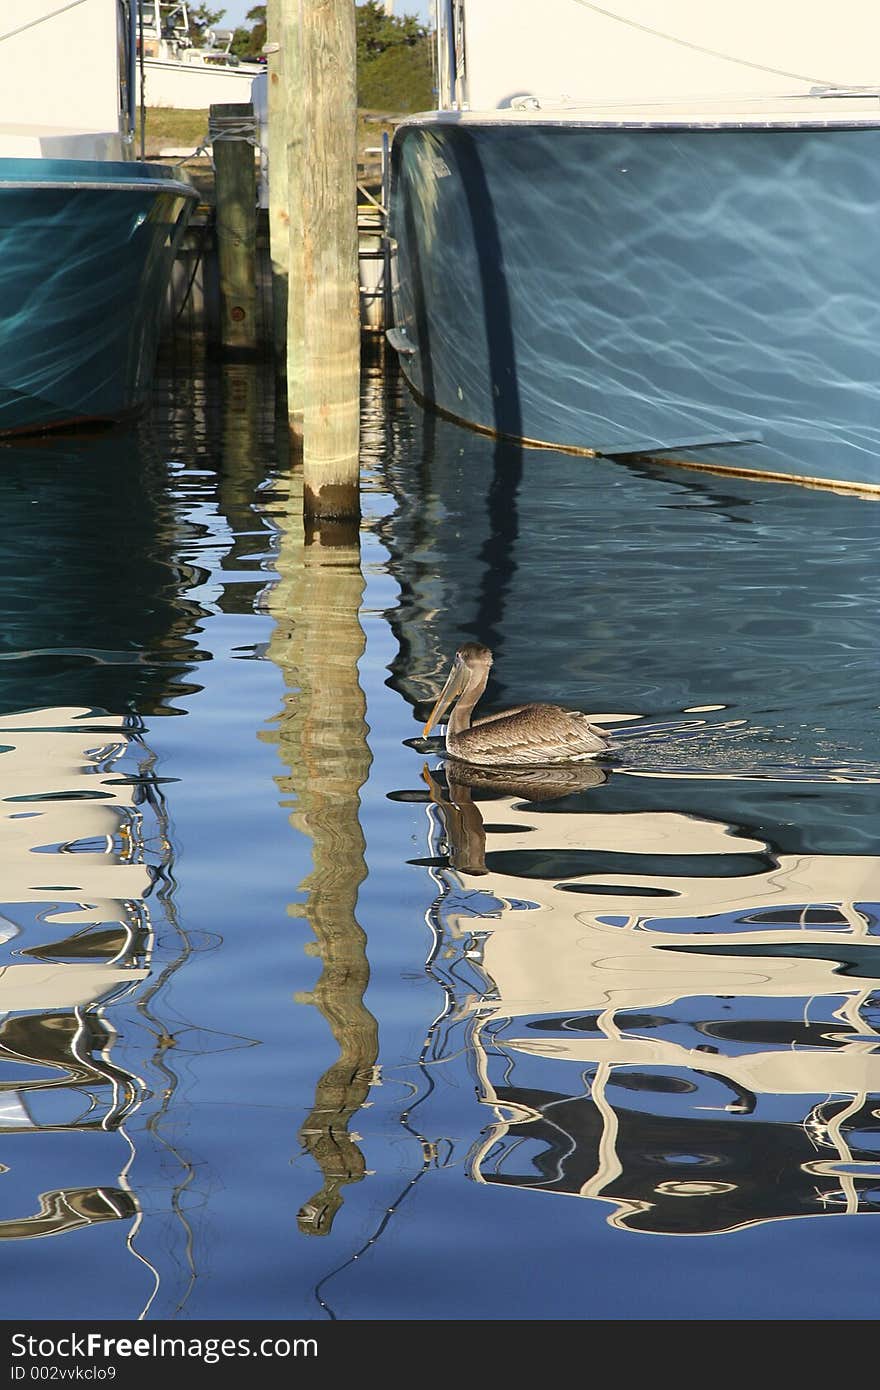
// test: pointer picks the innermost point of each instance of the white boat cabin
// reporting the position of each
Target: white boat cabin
(65, 76)
(167, 34)
(557, 55)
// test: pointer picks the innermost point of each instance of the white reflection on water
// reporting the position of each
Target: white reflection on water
(83, 845)
(662, 1011)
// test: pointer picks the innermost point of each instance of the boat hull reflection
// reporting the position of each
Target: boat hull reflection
(698, 1049)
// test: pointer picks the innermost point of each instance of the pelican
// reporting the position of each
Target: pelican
(535, 735)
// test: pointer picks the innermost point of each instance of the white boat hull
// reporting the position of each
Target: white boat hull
(193, 86)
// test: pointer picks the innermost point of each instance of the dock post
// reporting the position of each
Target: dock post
(331, 286)
(279, 220)
(290, 40)
(232, 128)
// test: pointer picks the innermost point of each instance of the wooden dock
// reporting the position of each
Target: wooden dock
(193, 306)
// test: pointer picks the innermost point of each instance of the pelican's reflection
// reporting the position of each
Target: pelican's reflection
(462, 819)
(662, 1011)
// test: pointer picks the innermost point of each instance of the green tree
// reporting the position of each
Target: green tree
(394, 58)
(394, 61)
(378, 31)
(201, 18)
(248, 42)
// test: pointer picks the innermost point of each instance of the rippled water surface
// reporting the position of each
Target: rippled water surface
(298, 1020)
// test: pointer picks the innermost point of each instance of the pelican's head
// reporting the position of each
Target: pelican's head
(474, 656)
(471, 663)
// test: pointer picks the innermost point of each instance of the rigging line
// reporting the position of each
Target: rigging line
(699, 48)
(371, 1240)
(130, 1238)
(41, 19)
(141, 57)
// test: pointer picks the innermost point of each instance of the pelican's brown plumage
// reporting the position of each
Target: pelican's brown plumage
(534, 735)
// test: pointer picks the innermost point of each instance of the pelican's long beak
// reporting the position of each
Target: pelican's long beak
(456, 683)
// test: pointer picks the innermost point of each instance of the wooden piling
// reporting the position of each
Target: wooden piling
(231, 126)
(290, 40)
(279, 219)
(331, 309)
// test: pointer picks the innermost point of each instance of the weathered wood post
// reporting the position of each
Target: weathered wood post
(332, 332)
(291, 44)
(279, 219)
(232, 128)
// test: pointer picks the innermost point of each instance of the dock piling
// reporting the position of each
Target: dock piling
(330, 273)
(279, 218)
(231, 126)
(292, 142)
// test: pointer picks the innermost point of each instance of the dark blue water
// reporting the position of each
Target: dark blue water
(299, 1021)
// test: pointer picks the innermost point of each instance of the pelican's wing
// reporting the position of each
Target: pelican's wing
(503, 714)
(531, 734)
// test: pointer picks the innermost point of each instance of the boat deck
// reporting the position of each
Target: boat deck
(823, 108)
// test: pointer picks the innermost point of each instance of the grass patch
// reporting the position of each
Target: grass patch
(172, 128)
(169, 127)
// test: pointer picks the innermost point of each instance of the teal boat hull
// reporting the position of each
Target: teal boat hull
(705, 295)
(86, 253)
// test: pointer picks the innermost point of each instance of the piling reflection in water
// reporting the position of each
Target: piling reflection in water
(321, 736)
(157, 533)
